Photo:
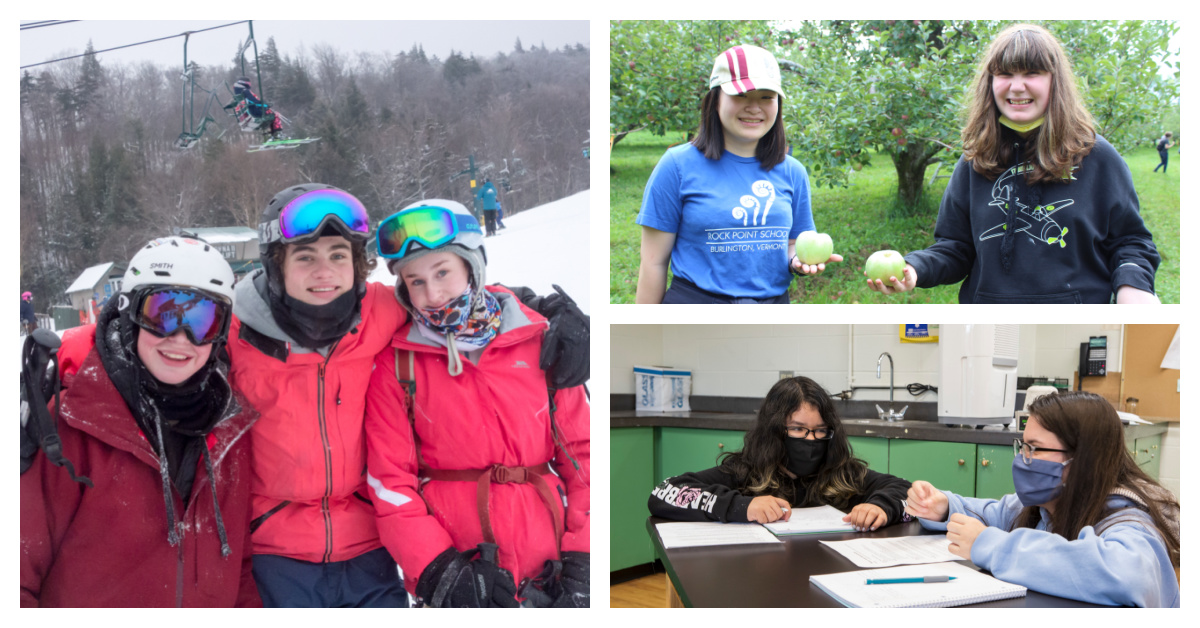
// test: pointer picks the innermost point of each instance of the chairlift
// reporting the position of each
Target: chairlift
(191, 131)
(257, 115)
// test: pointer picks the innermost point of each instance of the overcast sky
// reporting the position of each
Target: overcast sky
(483, 38)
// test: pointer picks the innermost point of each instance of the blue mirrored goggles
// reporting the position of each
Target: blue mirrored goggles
(308, 214)
(430, 226)
(165, 311)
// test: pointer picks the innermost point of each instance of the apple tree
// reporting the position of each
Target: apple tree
(889, 86)
(658, 70)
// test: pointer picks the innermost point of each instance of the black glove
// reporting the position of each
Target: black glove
(575, 582)
(561, 584)
(454, 580)
(566, 347)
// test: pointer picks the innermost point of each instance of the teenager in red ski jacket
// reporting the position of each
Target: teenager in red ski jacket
(148, 418)
(476, 477)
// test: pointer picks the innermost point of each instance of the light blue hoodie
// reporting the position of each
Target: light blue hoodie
(1125, 565)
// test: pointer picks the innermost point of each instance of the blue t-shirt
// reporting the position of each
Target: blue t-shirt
(732, 220)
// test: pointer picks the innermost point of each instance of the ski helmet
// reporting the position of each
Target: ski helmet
(467, 243)
(180, 261)
(302, 214)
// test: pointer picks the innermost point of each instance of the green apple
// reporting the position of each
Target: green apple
(814, 248)
(883, 265)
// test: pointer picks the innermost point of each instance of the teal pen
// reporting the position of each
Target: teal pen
(911, 580)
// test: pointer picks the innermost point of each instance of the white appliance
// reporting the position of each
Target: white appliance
(979, 374)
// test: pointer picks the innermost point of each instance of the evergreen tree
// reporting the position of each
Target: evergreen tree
(91, 78)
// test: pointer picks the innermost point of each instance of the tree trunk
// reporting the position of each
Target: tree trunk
(910, 171)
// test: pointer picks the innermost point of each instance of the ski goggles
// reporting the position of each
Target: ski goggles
(429, 226)
(165, 311)
(310, 213)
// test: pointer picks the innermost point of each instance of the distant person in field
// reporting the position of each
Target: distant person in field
(1040, 208)
(1163, 145)
(490, 202)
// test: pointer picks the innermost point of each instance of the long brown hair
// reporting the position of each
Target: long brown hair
(1067, 133)
(760, 466)
(1088, 427)
(710, 138)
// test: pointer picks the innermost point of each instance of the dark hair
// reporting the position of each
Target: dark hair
(1066, 135)
(710, 138)
(1089, 428)
(760, 466)
(363, 263)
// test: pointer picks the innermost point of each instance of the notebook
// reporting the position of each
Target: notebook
(811, 521)
(969, 587)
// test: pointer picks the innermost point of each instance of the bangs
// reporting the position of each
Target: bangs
(1023, 50)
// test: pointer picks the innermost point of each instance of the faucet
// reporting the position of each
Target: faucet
(891, 414)
(891, 374)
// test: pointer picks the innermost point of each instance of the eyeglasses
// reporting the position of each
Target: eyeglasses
(430, 226)
(820, 433)
(309, 213)
(165, 311)
(1026, 451)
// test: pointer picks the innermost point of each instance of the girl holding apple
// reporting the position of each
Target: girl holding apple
(796, 454)
(1086, 522)
(1040, 209)
(725, 210)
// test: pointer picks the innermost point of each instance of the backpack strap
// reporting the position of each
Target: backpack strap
(406, 374)
(40, 430)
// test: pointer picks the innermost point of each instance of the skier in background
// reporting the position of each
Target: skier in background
(28, 319)
(487, 198)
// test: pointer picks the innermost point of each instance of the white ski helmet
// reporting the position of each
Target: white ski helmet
(180, 261)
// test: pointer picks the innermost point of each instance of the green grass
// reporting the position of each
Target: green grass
(857, 217)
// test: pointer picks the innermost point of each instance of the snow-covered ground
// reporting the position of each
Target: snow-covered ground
(542, 246)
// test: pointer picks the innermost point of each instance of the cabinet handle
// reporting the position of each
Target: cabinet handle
(961, 462)
(1145, 451)
(1154, 447)
(985, 462)
(720, 445)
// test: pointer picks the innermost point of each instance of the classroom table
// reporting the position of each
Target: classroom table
(776, 574)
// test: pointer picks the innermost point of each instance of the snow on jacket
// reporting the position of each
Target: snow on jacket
(495, 412)
(1124, 565)
(1076, 242)
(310, 459)
(709, 496)
(106, 545)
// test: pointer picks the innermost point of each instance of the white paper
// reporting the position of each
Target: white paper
(1171, 358)
(969, 587)
(811, 520)
(700, 533)
(903, 550)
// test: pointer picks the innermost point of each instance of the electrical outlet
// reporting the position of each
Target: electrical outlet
(786, 374)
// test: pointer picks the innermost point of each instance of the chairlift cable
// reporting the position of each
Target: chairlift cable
(140, 43)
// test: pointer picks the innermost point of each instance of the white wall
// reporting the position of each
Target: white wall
(745, 360)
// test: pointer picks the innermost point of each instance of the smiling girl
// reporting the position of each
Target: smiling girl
(159, 437)
(463, 431)
(1085, 523)
(1040, 209)
(724, 210)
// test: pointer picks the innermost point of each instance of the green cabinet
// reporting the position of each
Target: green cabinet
(1147, 453)
(632, 478)
(993, 475)
(873, 451)
(948, 466)
(681, 449)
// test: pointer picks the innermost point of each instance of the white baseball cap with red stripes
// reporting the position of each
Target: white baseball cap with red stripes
(746, 68)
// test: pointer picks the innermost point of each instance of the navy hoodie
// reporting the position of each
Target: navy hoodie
(1072, 242)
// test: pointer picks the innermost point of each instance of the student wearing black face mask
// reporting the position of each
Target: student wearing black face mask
(795, 455)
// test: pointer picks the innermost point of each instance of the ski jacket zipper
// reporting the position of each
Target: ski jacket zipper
(321, 422)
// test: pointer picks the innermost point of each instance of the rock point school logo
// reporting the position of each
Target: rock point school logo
(1037, 222)
(761, 189)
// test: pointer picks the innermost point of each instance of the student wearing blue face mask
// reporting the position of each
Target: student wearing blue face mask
(1085, 523)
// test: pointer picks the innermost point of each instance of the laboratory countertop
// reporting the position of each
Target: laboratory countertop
(868, 426)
